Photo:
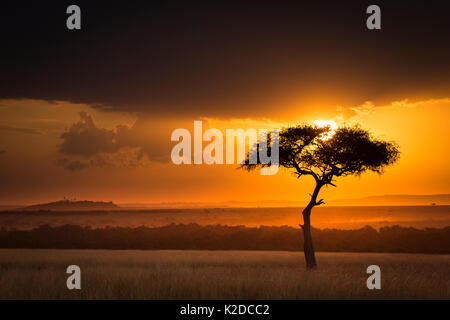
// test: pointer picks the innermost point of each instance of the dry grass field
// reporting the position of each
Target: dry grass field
(130, 274)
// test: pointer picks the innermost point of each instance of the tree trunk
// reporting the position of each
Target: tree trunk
(310, 257)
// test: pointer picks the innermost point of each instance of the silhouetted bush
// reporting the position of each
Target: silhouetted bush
(196, 237)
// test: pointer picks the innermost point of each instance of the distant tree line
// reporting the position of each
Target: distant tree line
(219, 237)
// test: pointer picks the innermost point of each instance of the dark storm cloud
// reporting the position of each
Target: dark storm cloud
(86, 139)
(221, 58)
(121, 146)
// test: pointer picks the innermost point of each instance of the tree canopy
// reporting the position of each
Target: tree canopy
(325, 154)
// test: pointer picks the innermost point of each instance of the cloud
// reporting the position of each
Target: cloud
(86, 139)
(220, 60)
(72, 165)
(368, 107)
(20, 130)
(407, 104)
(2, 152)
(122, 146)
(124, 158)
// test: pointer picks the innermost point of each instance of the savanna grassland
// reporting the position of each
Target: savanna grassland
(133, 274)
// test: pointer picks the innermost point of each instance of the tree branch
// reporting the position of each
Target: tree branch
(301, 172)
(318, 203)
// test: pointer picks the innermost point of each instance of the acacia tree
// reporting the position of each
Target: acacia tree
(325, 154)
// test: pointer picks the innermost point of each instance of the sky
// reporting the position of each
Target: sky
(88, 114)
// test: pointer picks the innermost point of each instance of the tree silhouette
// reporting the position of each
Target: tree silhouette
(325, 154)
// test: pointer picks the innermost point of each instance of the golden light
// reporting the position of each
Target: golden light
(327, 123)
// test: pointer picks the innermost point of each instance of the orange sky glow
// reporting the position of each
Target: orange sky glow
(35, 170)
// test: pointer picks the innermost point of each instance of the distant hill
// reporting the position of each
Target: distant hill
(382, 200)
(67, 205)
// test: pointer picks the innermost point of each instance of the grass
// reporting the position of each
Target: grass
(131, 274)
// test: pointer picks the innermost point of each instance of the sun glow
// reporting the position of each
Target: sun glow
(327, 123)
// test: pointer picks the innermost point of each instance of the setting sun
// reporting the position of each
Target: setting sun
(327, 123)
